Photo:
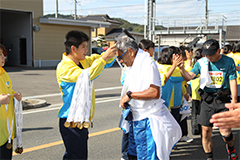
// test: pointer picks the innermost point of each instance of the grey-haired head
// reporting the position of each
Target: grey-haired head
(125, 43)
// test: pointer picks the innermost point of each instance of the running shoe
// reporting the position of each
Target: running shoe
(186, 139)
(231, 155)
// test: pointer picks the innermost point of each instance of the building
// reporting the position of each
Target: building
(34, 40)
(111, 33)
(101, 18)
(190, 31)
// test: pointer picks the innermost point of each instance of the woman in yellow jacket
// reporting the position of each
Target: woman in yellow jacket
(6, 111)
(236, 57)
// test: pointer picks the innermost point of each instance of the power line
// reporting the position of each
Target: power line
(126, 6)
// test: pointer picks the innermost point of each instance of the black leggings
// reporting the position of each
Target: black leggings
(5, 154)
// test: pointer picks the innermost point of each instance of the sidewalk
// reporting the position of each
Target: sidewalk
(33, 103)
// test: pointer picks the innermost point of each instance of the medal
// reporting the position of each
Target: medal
(19, 150)
(80, 109)
(9, 145)
(67, 124)
(86, 125)
(74, 125)
(80, 125)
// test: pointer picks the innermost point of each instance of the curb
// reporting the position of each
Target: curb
(33, 103)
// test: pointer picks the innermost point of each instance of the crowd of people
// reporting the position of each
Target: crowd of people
(154, 97)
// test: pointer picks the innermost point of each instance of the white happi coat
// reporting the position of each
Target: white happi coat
(165, 129)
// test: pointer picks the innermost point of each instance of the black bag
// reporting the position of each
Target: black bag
(206, 96)
(127, 113)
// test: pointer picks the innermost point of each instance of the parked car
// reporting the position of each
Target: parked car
(156, 56)
(97, 50)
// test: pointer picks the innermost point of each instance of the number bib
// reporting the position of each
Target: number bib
(217, 79)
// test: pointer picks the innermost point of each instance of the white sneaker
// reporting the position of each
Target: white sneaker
(186, 139)
(214, 127)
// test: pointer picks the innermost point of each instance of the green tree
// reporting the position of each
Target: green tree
(101, 42)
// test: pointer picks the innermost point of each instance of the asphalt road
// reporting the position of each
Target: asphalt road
(41, 138)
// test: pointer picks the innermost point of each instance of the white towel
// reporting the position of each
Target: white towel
(80, 107)
(205, 79)
(165, 129)
(19, 121)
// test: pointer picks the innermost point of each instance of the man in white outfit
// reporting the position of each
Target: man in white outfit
(152, 131)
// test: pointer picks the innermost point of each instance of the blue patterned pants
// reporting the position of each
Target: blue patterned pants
(141, 142)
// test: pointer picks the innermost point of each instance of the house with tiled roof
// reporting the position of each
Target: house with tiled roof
(111, 33)
(117, 33)
(101, 18)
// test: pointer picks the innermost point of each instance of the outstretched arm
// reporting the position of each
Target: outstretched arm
(233, 88)
(228, 119)
(186, 75)
(175, 62)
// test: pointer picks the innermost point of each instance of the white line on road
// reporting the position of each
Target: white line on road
(59, 104)
(58, 94)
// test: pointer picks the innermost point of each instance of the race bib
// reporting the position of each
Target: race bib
(217, 79)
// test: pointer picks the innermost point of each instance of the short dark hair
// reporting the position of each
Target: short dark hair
(182, 51)
(75, 38)
(198, 55)
(2, 47)
(167, 54)
(210, 47)
(146, 44)
(227, 48)
(189, 49)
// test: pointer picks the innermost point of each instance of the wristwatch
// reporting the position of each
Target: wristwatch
(129, 94)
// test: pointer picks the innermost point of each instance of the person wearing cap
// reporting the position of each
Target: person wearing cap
(152, 131)
(217, 85)
(230, 118)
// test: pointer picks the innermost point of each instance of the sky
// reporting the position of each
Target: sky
(168, 12)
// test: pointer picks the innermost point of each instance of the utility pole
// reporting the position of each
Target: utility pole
(75, 4)
(151, 19)
(56, 13)
(206, 15)
(145, 20)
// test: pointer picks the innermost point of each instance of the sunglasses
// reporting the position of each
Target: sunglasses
(120, 57)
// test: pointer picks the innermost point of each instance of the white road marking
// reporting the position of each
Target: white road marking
(59, 94)
(53, 107)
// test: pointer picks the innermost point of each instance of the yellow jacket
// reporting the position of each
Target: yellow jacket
(195, 85)
(236, 58)
(67, 74)
(174, 89)
(6, 88)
